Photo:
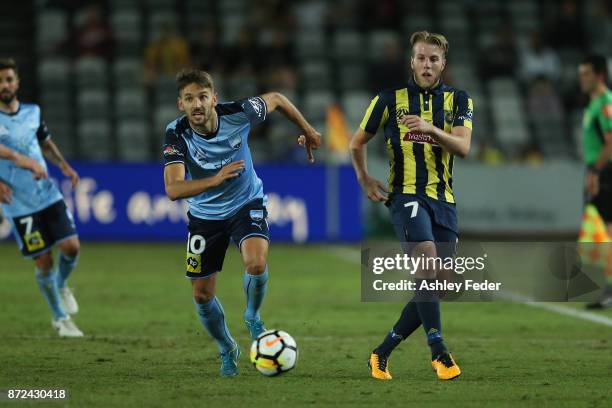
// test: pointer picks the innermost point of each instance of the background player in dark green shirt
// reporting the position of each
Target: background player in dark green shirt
(597, 146)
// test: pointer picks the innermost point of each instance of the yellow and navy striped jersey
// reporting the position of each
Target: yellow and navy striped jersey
(418, 165)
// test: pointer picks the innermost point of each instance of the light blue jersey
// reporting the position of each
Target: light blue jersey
(204, 155)
(24, 131)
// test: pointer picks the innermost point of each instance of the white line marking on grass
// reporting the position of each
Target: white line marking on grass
(347, 254)
(353, 255)
(568, 311)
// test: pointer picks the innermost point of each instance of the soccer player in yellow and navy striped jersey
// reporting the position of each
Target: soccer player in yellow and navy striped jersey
(425, 124)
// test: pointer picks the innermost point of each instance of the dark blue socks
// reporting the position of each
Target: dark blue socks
(428, 305)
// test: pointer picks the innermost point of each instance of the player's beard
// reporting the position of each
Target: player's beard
(7, 97)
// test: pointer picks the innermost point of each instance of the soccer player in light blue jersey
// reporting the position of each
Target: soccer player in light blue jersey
(23, 162)
(208, 161)
(34, 205)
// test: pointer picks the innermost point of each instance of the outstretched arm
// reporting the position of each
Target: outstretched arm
(177, 187)
(311, 139)
(374, 189)
(23, 162)
(52, 153)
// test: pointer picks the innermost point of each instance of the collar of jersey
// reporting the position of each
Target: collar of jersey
(12, 113)
(415, 87)
(209, 136)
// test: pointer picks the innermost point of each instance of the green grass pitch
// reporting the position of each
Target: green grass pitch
(145, 347)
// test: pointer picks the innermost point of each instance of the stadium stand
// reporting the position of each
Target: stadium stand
(498, 53)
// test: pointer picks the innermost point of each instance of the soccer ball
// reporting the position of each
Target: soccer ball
(274, 352)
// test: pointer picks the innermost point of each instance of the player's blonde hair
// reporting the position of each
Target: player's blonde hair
(429, 38)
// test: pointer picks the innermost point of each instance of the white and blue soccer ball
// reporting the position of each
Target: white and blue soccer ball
(274, 352)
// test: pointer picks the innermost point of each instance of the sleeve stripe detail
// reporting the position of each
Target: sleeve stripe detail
(265, 107)
(175, 161)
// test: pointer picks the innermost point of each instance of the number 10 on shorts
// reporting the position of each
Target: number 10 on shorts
(195, 247)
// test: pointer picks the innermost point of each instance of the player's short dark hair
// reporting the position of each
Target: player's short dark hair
(193, 76)
(8, 63)
(599, 64)
(430, 38)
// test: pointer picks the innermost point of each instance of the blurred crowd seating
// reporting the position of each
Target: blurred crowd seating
(105, 70)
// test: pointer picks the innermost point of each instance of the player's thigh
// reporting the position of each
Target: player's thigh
(32, 234)
(446, 241)
(603, 203)
(249, 223)
(603, 200)
(207, 243)
(254, 251)
(61, 228)
(204, 288)
(411, 221)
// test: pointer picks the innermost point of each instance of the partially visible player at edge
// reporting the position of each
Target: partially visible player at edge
(208, 144)
(597, 143)
(425, 123)
(34, 206)
(22, 162)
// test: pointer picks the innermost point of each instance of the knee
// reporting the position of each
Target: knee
(427, 250)
(44, 263)
(203, 295)
(256, 266)
(72, 249)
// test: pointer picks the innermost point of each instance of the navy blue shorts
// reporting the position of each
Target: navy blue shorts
(418, 218)
(208, 240)
(37, 233)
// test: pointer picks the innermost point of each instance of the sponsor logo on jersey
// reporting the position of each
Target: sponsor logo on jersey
(419, 137)
(171, 151)
(257, 105)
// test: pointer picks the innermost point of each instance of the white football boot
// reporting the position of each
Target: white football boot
(66, 327)
(69, 303)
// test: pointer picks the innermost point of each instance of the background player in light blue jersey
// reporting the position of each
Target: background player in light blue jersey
(208, 161)
(35, 207)
(21, 161)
